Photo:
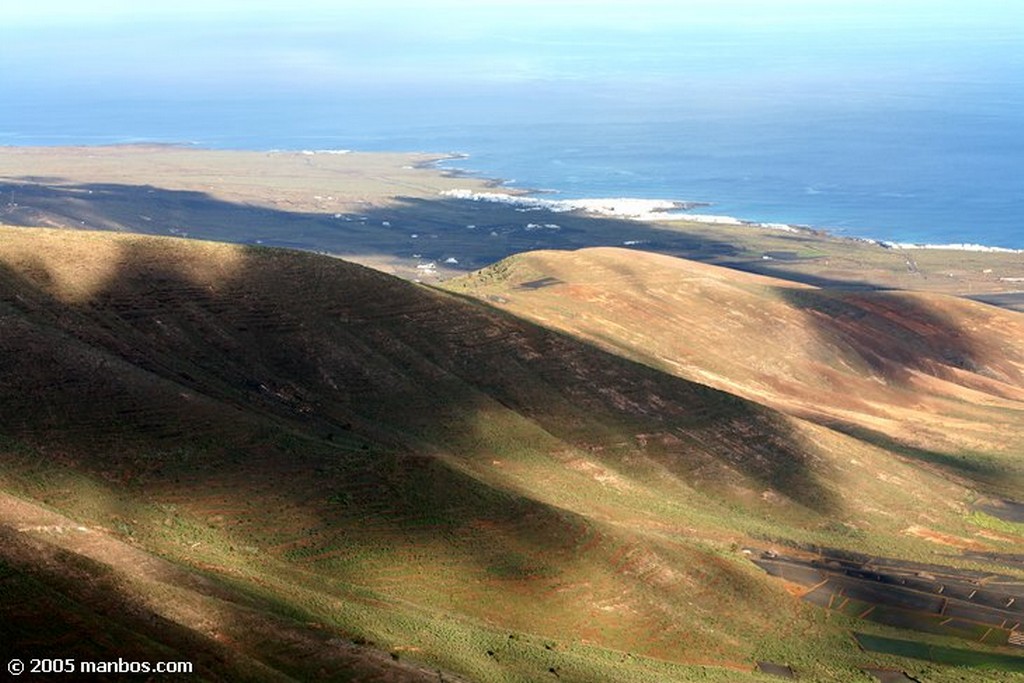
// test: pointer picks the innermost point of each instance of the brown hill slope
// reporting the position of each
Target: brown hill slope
(353, 454)
(935, 377)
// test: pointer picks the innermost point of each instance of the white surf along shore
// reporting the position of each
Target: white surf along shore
(626, 208)
(961, 246)
(654, 210)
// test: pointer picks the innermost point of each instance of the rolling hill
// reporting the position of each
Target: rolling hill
(280, 466)
(932, 377)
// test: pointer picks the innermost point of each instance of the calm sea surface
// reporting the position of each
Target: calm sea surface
(916, 141)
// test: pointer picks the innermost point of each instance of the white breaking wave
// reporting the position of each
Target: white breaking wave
(627, 208)
(311, 152)
(619, 207)
(962, 246)
(654, 210)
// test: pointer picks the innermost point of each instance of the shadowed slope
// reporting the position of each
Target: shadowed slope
(937, 374)
(392, 233)
(74, 592)
(403, 466)
(317, 429)
(328, 346)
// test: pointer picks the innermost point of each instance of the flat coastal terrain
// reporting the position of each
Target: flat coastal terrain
(562, 445)
(395, 212)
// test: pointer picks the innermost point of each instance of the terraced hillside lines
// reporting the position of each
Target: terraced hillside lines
(402, 468)
(390, 347)
(971, 605)
(393, 462)
(62, 581)
(938, 380)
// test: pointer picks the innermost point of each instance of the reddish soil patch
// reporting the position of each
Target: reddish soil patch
(945, 539)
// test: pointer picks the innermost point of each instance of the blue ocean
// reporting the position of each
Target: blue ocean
(907, 132)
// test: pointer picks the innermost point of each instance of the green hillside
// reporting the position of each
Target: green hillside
(290, 466)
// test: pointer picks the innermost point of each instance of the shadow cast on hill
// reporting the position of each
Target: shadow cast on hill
(53, 597)
(61, 604)
(895, 334)
(898, 338)
(975, 472)
(323, 411)
(414, 230)
(457, 235)
(295, 348)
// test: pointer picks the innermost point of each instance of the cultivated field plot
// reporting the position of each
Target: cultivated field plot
(941, 655)
(1006, 510)
(404, 472)
(942, 600)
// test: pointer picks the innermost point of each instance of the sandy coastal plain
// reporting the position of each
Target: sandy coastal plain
(403, 214)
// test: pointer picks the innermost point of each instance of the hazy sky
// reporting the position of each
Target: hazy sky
(73, 11)
(514, 39)
(719, 49)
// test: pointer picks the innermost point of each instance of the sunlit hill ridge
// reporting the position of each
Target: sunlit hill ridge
(283, 466)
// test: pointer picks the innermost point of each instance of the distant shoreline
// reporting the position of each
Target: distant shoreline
(623, 207)
(658, 210)
(399, 213)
